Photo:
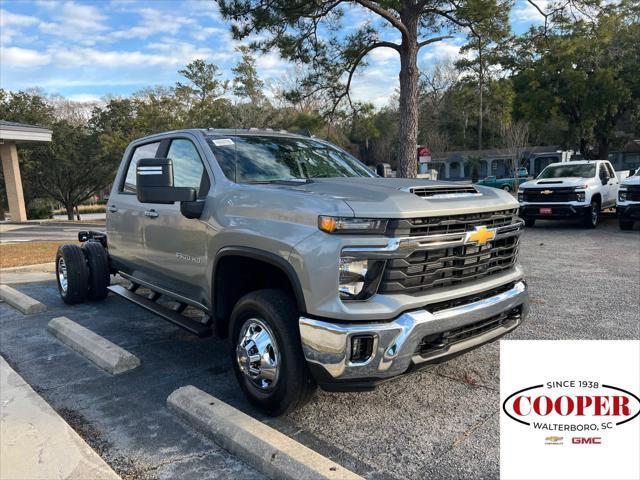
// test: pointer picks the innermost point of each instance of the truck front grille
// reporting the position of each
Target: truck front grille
(633, 193)
(431, 269)
(553, 194)
(413, 227)
(439, 341)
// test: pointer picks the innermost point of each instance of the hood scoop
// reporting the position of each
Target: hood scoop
(443, 191)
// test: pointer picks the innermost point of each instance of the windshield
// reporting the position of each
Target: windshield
(584, 170)
(264, 159)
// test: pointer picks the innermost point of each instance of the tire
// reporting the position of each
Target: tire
(98, 263)
(626, 225)
(277, 316)
(506, 188)
(590, 220)
(529, 222)
(72, 274)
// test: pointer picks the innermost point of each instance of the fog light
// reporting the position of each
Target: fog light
(622, 195)
(361, 348)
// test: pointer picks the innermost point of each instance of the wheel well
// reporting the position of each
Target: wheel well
(597, 198)
(237, 275)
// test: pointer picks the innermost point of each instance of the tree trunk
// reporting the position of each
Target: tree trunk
(69, 209)
(480, 88)
(603, 148)
(409, 104)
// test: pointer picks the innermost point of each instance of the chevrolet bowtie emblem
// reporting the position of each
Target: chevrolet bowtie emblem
(546, 192)
(480, 235)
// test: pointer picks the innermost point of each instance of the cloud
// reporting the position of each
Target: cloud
(153, 22)
(11, 24)
(443, 50)
(84, 97)
(383, 55)
(526, 12)
(80, 23)
(17, 57)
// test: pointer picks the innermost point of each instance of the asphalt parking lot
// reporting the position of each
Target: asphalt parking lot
(438, 423)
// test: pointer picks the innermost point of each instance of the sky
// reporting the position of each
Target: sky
(85, 50)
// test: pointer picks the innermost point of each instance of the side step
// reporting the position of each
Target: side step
(197, 328)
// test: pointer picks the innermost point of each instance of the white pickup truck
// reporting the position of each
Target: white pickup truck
(579, 189)
(628, 203)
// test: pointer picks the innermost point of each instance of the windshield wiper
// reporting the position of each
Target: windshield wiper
(281, 181)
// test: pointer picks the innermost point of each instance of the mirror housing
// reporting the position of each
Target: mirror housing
(154, 183)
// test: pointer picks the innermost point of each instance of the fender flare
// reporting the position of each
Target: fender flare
(267, 257)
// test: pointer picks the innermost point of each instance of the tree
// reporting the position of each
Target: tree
(246, 82)
(486, 40)
(515, 136)
(68, 169)
(584, 73)
(307, 32)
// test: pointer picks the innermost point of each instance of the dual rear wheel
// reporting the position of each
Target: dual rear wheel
(82, 273)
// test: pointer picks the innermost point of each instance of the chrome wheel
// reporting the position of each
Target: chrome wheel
(62, 274)
(257, 354)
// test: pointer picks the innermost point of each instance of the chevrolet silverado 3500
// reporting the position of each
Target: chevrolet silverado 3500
(316, 270)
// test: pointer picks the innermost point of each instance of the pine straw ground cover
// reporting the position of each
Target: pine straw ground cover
(28, 253)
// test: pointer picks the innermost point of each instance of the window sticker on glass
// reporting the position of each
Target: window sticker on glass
(222, 142)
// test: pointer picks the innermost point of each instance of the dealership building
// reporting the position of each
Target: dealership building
(13, 134)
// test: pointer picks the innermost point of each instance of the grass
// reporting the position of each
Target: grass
(97, 208)
(28, 253)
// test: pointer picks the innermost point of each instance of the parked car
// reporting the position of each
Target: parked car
(506, 184)
(579, 189)
(316, 270)
(628, 201)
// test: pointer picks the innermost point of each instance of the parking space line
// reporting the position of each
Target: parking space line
(105, 354)
(269, 451)
(20, 301)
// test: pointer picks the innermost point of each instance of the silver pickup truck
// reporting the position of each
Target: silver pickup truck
(318, 271)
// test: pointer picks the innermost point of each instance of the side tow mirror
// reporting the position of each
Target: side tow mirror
(154, 183)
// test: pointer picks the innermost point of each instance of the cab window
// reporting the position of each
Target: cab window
(188, 169)
(143, 151)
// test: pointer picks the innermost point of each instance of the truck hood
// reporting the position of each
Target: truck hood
(633, 180)
(558, 182)
(393, 197)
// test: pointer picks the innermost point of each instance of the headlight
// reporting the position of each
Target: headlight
(580, 196)
(363, 226)
(521, 196)
(622, 195)
(359, 279)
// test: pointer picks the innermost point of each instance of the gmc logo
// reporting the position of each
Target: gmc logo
(586, 440)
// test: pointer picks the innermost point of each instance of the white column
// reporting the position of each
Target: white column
(462, 169)
(446, 170)
(13, 182)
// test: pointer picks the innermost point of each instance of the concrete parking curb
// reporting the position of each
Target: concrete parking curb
(269, 451)
(102, 352)
(36, 443)
(20, 301)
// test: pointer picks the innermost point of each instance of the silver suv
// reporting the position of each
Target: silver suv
(318, 271)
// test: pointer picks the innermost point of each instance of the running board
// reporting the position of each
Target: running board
(197, 328)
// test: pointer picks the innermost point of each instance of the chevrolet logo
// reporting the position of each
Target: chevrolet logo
(480, 235)
(553, 439)
(546, 192)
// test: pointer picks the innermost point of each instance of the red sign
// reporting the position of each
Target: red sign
(424, 154)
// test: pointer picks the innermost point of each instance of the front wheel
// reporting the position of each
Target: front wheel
(626, 225)
(506, 188)
(267, 352)
(593, 215)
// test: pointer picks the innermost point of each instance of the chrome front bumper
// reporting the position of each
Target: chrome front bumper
(327, 345)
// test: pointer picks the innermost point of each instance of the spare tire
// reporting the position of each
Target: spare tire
(72, 274)
(98, 263)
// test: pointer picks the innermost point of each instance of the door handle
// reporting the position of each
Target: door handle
(113, 208)
(151, 213)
